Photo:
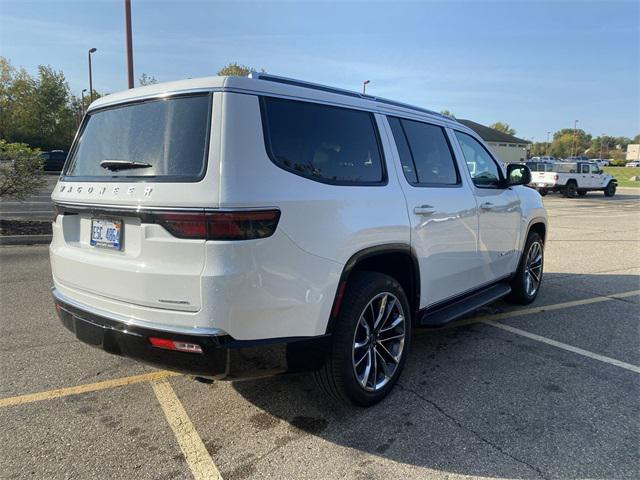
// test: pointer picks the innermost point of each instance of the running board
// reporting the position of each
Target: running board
(440, 315)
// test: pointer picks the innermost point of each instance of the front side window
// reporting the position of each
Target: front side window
(321, 142)
(595, 169)
(164, 139)
(484, 170)
(424, 153)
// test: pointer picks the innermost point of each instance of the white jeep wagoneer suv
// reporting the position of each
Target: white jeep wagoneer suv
(230, 227)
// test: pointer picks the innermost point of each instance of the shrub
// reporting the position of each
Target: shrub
(20, 170)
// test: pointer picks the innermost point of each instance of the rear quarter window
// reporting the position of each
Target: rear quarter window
(327, 144)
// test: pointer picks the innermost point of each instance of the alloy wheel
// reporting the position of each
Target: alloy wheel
(378, 341)
(533, 269)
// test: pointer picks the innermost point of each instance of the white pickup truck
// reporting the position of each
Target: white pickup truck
(573, 179)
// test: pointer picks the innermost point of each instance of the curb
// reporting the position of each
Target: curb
(25, 239)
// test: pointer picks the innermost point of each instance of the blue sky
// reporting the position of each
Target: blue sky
(533, 64)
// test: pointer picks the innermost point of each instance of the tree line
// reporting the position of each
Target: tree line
(568, 142)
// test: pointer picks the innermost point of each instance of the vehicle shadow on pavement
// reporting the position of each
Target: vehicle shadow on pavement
(476, 400)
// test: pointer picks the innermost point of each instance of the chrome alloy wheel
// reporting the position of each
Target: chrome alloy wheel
(378, 341)
(533, 269)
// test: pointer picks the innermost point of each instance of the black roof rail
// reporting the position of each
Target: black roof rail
(340, 91)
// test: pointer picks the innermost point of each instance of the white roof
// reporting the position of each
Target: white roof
(277, 86)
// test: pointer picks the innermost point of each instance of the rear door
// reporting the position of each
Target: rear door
(441, 207)
(597, 177)
(130, 201)
(584, 176)
(499, 210)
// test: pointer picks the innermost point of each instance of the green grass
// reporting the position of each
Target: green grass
(622, 174)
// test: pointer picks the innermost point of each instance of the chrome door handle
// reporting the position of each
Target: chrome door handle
(424, 210)
(487, 206)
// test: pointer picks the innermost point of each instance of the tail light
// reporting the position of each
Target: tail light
(229, 225)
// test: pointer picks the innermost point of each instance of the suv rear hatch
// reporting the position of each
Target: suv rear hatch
(137, 170)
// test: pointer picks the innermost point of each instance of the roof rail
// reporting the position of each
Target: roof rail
(340, 91)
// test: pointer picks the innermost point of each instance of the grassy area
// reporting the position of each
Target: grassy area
(622, 174)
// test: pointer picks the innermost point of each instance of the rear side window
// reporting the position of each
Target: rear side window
(164, 140)
(425, 153)
(324, 143)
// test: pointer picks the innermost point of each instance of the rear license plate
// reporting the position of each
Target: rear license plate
(106, 233)
(542, 184)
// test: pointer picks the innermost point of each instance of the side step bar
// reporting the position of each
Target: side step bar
(440, 315)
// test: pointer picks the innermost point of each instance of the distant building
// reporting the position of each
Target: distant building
(633, 152)
(506, 147)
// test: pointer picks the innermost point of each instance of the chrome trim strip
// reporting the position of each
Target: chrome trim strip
(144, 208)
(129, 321)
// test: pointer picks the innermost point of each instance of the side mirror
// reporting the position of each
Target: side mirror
(518, 175)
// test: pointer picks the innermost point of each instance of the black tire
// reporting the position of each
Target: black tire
(520, 293)
(571, 190)
(543, 192)
(337, 377)
(610, 189)
(582, 193)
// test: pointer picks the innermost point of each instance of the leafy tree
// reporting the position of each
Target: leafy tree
(39, 110)
(447, 113)
(503, 127)
(564, 144)
(636, 139)
(20, 170)
(147, 80)
(236, 70)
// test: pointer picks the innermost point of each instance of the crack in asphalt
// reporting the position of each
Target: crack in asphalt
(473, 432)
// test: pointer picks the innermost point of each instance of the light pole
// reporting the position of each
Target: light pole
(82, 104)
(573, 146)
(546, 153)
(127, 34)
(91, 50)
(364, 86)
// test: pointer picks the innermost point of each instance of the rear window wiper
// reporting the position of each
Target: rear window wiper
(114, 165)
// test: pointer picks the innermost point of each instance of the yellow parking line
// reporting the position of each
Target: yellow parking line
(119, 382)
(198, 459)
(544, 308)
(564, 346)
(87, 387)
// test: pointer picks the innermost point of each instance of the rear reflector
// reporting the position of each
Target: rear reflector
(230, 225)
(168, 344)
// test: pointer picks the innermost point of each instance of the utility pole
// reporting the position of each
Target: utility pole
(573, 146)
(546, 153)
(91, 50)
(82, 104)
(601, 139)
(364, 86)
(127, 31)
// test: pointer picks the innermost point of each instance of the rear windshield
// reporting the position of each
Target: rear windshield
(163, 139)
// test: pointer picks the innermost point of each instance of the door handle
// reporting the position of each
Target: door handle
(424, 210)
(487, 206)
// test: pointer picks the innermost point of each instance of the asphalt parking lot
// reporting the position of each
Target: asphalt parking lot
(548, 391)
(36, 207)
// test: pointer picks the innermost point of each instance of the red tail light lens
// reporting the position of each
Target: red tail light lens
(233, 225)
(184, 225)
(168, 344)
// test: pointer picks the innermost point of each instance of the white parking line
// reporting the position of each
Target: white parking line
(564, 346)
(198, 459)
